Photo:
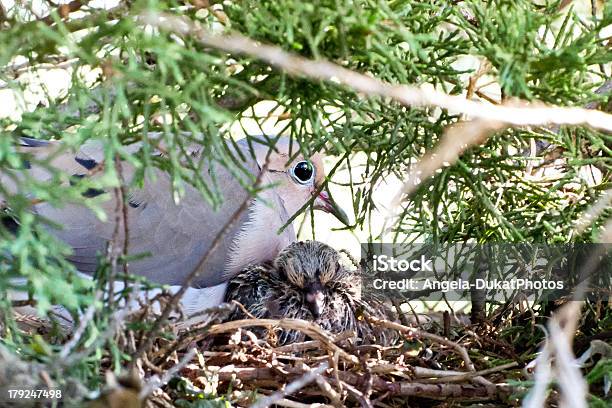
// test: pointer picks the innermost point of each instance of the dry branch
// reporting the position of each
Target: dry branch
(305, 327)
(405, 94)
(457, 376)
(174, 301)
(418, 333)
(488, 118)
(456, 139)
(157, 382)
(83, 324)
(593, 212)
(296, 385)
(398, 388)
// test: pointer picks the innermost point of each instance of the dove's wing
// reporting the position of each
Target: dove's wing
(175, 235)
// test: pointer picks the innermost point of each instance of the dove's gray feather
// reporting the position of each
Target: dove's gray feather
(175, 235)
(178, 235)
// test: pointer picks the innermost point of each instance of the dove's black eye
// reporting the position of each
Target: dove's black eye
(303, 172)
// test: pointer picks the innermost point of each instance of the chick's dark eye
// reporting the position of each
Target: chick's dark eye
(303, 172)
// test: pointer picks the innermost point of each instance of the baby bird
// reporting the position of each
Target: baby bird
(306, 281)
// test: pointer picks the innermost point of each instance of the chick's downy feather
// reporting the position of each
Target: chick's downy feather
(284, 288)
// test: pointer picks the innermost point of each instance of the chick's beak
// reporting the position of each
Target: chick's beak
(316, 301)
(325, 203)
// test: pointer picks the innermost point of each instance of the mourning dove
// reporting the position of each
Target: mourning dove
(177, 234)
(307, 281)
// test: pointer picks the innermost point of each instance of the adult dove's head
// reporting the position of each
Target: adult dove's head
(297, 178)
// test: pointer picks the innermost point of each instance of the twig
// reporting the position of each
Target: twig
(604, 89)
(336, 371)
(189, 336)
(400, 388)
(457, 376)
(63, 10)
(294, 404)
(456, 139)
(304, 326)
(573, 388)
(329, 391)
(593, 212)
(311, 344)
(415, 332)
(24, 302)
(433, 391)
(156, 382)
(292, 387)
(406, 94)
(400, 313)
(483, 68)
(359, 396)
(445, 391)
(606, 233)
(298, 347)
(78, 333)
(120, 220)
(57, 63)
(115, 323)
(243, 309)
(486, 97)
(152, 333)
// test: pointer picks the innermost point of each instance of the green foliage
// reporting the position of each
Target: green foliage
(539, 53)
(124, 77)
(602, 368)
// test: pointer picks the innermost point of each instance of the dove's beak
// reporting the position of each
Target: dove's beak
(315, 300)
(325, 203)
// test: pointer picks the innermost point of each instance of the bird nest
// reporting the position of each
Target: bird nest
(215, 362)
(232, 362)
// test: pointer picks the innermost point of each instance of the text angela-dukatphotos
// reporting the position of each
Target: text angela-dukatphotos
(385, 264)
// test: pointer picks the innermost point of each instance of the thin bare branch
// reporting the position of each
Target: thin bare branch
(304, 326)
(593, 212)
(456, 376)
(292, 387)
(418, 333)
(64, 10)
(152, 333)
(455, 141)
(80, 330)
(405, 94)
(157, 382)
